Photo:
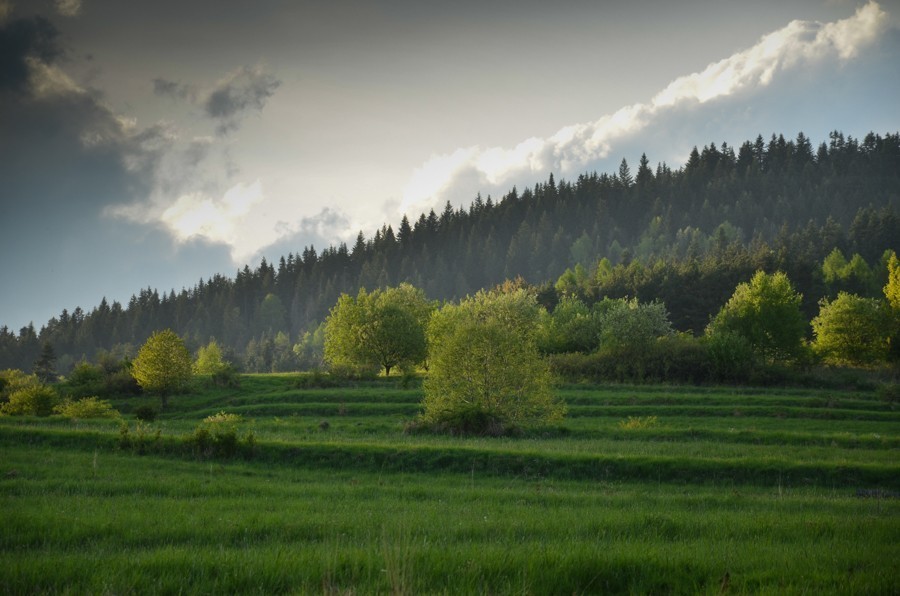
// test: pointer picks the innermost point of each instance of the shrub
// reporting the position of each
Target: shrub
(144, 439)
(639, 423)
(889, 392)
(226, 377)
(485, 372)
(32, 400)
(217, 436)
(88, 407)
(315, 379)
(731, 356)
(146, 413)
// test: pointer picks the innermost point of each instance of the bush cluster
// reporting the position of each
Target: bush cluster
(87, 407)
(218, 436)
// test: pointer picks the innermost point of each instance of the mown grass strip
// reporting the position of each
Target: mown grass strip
(427, 459)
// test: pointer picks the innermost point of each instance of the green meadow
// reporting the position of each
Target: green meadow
(641, 489)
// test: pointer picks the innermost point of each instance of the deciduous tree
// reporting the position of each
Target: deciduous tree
(766, 312)
(485, 373)
(163, 365)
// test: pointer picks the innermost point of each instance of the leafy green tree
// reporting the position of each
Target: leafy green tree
(629, 325)
(384, 328)
(209, 359)
(892, 288)
(163, 365)
(310, 350)
(283, 357)
(485, 372)
(571, 327)
(851, 330)
(766, 312)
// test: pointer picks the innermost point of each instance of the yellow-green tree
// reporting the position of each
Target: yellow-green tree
(163, 365)
(485, 373)
(209, 359)
(852, 330)
(766, 313)
(384, 329)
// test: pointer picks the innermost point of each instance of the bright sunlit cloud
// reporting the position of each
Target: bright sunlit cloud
(573, 147)
(216, 220)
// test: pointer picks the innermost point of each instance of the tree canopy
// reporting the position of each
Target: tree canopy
(384, 328)
(163, 365)
(485, 372)
(766, 312)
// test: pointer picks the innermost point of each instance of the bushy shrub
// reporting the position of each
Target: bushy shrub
(218, 436)
(674, 359)
(889, 392)
(146, 413)
(226, 377)
(468, 421)
(87, 407)
(143, 439)
(315, 380)
(731, 356)
(639, 423)
(31, 400)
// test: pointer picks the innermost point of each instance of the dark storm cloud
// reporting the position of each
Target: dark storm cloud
(22, 39)
(245, 89)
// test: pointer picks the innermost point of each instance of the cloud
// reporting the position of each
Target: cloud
(166, 88)
(243, 90)
(22, 40)
(68, 8)
(6, 9)
(457, 176)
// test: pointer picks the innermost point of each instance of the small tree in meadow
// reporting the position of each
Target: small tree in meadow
(485, 373)
(163, 365)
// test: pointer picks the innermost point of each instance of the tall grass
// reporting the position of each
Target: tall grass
(713, 503)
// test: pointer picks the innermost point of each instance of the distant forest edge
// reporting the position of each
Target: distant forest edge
(825, 216)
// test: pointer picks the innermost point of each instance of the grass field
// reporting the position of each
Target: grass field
(728, 491)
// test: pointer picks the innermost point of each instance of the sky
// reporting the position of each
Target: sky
(155, 143)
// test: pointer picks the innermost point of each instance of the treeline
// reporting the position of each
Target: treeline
(685, 237)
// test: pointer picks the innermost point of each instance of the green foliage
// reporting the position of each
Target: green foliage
(163, 365)
(87, 407)
(145, 413)
(31, 400)
(765, 312)
(12, 380)
(218, 436)
(852, 330)
(141, 440)
(731, 356)
(678, 358)
(892, 287)
(310, 350)
(628, 326)
(571, 327)
(384, 328)
(484, 368)
(209, 359)
(639, 423)
(111, 379)
(226, 377)
(853, 276)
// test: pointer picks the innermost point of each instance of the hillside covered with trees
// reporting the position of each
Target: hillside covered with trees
(826, 216)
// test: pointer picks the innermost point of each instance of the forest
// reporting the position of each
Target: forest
(824, 215)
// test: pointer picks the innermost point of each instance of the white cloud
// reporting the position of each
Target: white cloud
(68, 8)
(196, 215)
(573, 147)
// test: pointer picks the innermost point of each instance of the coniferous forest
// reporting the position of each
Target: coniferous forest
(825, 215)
